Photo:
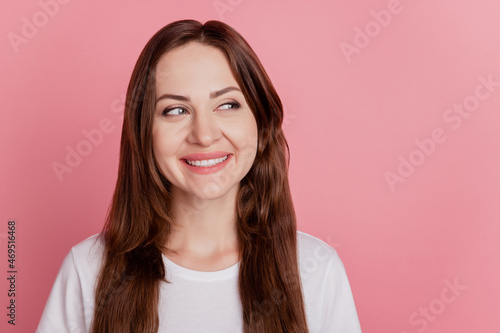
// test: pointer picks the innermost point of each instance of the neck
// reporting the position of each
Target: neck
(203, 228)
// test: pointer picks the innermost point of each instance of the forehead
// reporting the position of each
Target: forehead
(193, 65)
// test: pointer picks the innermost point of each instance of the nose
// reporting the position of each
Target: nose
(204, 129)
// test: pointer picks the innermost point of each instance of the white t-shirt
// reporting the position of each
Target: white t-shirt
(201, 302)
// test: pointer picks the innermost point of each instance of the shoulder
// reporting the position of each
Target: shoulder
(313, 251)
(317, 260)
(307, 243)
(71, 300)
(87, 256)
(327, 293)
(91, 243)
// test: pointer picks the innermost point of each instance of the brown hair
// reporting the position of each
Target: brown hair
(139, 219)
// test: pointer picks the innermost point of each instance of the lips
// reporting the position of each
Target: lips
(205, 156)
(206, 163)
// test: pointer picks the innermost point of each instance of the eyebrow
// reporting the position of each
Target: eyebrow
(213, 94)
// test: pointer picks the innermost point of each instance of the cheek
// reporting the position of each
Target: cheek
(247, 138)
(163, 144)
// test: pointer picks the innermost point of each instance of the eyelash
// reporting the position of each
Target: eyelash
(234, 105)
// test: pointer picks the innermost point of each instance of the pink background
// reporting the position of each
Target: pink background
(351, 118)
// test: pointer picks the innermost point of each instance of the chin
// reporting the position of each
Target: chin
(213, 190)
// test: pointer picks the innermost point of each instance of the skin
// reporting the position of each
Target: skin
(204, 235)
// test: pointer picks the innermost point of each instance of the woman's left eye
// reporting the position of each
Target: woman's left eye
(229, 105)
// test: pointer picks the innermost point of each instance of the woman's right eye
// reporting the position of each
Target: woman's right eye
(175, 111)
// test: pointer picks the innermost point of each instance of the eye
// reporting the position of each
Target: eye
(174, 111)
(229, 105)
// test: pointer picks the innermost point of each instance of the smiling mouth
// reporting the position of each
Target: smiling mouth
(207, 163)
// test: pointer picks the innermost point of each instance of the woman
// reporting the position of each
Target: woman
(201, 233)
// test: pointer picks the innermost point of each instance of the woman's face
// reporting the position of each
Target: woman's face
(204, 132)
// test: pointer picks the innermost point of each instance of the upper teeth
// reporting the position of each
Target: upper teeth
(207, 163)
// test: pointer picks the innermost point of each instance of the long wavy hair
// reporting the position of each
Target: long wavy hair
(139, 219)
